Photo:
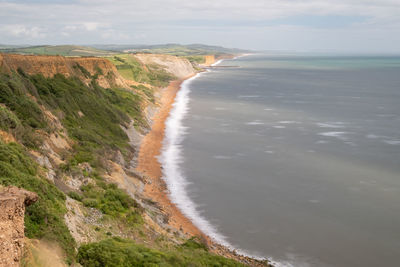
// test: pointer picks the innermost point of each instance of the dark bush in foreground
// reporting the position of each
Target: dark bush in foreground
(122, 252)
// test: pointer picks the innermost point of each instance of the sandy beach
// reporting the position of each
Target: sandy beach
(149, 165)
(157, 190)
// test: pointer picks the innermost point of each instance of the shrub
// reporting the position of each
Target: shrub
(122, 252)
(112, 201)
(75, 195)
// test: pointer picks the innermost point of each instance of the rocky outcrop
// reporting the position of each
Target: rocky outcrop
(177, 66)
(48, 66)
(13, 201)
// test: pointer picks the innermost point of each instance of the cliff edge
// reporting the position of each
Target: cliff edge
(13, 201)
(83, 67)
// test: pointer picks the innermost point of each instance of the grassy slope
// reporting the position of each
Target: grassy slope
(95, 133)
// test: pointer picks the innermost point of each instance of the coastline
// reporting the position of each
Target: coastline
(149, 164)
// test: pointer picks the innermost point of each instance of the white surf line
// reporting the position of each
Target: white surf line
(171, 159)
(217, 62)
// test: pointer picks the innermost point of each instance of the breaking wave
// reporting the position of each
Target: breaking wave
(172, 158)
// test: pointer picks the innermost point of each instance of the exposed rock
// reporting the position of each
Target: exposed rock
(44, 161)
(80, 220)
(180, 67)
(119, 158)
(86, 167)
(13, 201)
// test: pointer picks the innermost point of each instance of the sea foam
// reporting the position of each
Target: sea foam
(172, 158)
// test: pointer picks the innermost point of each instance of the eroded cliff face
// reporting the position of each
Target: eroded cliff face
(179, 67)
(48, 66)
(12, 210)
(209, 60)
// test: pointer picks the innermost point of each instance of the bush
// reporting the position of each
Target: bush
(8, 120)
(122, 252)
(20, 114)
(112, 201)
(193, 243)
(75, 195)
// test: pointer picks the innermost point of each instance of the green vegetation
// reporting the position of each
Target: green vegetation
(62, 50)
(174, 49)
(111, 201)
(122, 252)
(92, 115)
(130, 68)
(20, 114)
(197, 59)
(45, 217)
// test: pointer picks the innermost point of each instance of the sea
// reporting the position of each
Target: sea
(294, 158)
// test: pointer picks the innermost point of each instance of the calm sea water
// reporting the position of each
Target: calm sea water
(293, 158)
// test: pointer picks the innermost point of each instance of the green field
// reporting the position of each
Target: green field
(62, 50)
(174, 49)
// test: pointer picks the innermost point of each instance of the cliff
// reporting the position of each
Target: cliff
(12, 210)
(107, 74)
(76, 145)
(177, 66)
(209, 60)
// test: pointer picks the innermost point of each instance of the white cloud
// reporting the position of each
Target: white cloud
(19, 30)
(91, 26)
(141, 21)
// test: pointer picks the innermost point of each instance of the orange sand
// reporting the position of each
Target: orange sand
(149, 165)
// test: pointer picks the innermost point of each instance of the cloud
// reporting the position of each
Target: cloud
(19, 30)
(141, 21)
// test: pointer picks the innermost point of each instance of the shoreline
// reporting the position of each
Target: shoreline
(149, 165)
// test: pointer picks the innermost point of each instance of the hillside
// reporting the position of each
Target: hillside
(69, 131)
(173, 49)
(61, 50)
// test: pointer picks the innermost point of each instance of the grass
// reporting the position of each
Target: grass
(199, 59)
(122, 252)
(45, 218)
(19, 113)
(62, 50)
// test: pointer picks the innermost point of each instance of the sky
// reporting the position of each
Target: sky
(286, 25)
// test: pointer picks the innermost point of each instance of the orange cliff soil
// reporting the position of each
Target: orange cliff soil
(209, 60)
(12, 210)
(49, 66)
